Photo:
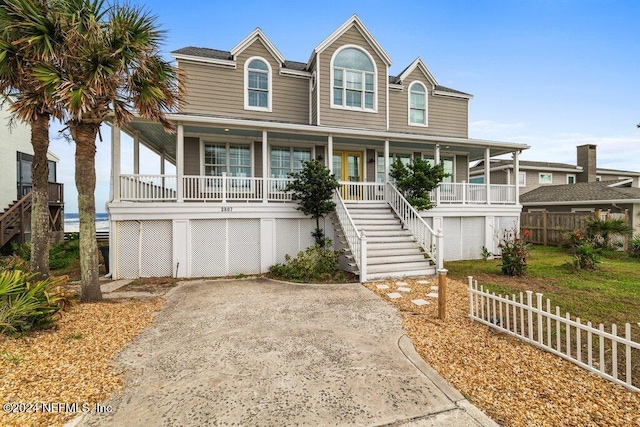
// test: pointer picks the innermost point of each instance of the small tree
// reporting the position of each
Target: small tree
(600, 231)
(313, 188)
(417, 180)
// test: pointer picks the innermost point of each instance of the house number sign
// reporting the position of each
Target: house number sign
(226, 209)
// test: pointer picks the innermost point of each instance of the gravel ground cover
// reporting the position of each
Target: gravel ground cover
(69, 364)
(514, 383)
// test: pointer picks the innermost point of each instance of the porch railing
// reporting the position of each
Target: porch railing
(430, 241)
(473, 194)
(356, 240)
(203, 188)
(149, 188)
(363, 191)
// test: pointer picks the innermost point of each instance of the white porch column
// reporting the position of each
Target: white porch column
(180, 162)
(516, 176)
(436, 161)
(386, 161)
(330, 153)
(162, 159)
(115, 164)
(487, 173)
(265, 165)
(136, 153)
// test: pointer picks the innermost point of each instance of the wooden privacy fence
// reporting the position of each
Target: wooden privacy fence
(605, 353)
(549, 228)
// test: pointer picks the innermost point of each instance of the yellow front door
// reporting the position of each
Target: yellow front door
(347, 166)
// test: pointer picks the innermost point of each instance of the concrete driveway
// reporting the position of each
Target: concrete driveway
(260, 352)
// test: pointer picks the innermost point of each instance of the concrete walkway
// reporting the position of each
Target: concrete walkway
(259, 352)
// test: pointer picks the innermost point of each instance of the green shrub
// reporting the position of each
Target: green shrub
(25, 304)
(600, 231)
(316, 263)
(585, 257)
(22, 250)
(61, 255)
(416, 180)
(514, 253)
(634, 246)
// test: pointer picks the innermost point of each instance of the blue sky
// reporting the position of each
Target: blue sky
(549, 73)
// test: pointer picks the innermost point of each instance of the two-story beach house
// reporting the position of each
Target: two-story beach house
(252, 117)
(16, 156)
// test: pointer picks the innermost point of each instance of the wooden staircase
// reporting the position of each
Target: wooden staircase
(391, 250)
(14, 220)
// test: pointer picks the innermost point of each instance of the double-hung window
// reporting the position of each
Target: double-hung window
(287, 159)
(258, 82)
(417, 104)
(447, 164)
(232, 159)
(354, 76)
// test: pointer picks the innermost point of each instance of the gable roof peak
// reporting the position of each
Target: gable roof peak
(418, 63)
(247, 41)
(354, 21)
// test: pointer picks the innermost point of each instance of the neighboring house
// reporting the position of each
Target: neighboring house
(539, 174)
(16, 156)
(251, 117)
(615, 196)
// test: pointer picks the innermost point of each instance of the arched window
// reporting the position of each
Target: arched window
(417, 104)
(354, 79)
(258, 84)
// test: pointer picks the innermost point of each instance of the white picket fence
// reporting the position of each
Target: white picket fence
(585, 345)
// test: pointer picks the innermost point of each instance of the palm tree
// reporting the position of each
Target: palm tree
(109, 68)
(600, 231)
(28, 35)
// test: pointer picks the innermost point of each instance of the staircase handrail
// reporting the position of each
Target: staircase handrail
(11, 212)
(356, 239)
(428, 239)
(15, 206)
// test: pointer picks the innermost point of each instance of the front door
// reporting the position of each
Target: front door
(347, 166)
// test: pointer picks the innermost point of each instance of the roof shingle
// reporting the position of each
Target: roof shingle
(581, 191)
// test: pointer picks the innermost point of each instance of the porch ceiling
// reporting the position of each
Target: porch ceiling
(154, 137)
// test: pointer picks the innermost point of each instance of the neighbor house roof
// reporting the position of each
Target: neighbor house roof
(603, 191)
(524, 164)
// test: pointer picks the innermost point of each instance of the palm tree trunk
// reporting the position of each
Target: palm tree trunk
(84, 134)
(40, 200)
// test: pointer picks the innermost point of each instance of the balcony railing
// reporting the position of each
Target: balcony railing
(473, 194)
(156, 188)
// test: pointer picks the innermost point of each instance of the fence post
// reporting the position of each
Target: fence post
(363, 257)
(545, 231)
(440, 249)
(442, 294)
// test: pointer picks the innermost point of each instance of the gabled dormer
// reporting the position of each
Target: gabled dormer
(418, 104)
(350, 79)
(252, 80)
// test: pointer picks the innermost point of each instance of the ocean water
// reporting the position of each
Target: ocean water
(72, 222)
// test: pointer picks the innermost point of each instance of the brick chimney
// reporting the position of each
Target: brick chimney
(587, 159)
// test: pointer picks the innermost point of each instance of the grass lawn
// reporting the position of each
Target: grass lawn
(610, 294)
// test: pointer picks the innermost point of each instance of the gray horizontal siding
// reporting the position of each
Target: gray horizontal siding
(348, 118)
(446, 116)
(216, 90)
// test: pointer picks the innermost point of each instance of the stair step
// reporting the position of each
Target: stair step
(383, 233)
(375, 221)
(396, 238)
(400, 244)
(370, 229)
(384, 251)
(399, 274)
(399, 266)
(395, 259)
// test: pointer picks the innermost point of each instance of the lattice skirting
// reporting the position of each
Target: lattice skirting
(207, 247)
